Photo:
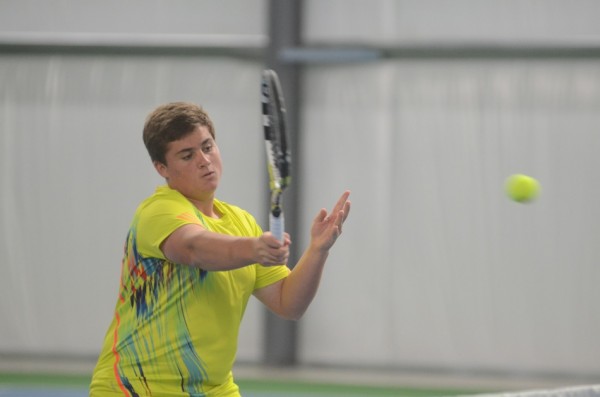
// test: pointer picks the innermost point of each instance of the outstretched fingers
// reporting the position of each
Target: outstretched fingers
(342, 209)
(342, 202)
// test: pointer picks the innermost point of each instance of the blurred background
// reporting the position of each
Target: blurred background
(421, 108)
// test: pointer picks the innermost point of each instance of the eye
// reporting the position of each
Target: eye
(187, 157)
(207, 148)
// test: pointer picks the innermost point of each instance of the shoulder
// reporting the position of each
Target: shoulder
(240, 219)
(231, 209)
(164, 198)
(166, 205)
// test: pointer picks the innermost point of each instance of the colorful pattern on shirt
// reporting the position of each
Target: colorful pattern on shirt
(175, 327)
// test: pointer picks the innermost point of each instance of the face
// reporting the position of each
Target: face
(193, 165)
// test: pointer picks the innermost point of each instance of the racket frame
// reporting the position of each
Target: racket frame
(277, 147)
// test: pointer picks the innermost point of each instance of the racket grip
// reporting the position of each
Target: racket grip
(277, 226)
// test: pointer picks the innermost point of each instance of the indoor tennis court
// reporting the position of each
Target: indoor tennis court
(39, 385)
(253, 383)
(45, 385)
(467, 133)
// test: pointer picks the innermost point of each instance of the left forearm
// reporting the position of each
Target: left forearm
(300, 287)
(291, 297)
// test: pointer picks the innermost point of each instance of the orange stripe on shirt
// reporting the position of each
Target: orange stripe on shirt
(116, 353)
(186, 216)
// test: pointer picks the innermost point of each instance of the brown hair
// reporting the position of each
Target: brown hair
(171, 122)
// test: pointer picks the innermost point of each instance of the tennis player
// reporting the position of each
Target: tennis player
(190, 264)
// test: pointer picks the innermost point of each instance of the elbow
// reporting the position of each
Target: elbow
(291, 318)
(292, 315)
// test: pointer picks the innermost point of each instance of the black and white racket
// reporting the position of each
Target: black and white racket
(278, 152)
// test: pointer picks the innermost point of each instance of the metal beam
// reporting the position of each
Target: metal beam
(282, 50)
(119, 44)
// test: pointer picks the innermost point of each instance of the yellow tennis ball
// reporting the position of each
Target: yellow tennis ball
(522, 188)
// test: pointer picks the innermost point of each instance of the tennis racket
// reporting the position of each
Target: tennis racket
(278, 153)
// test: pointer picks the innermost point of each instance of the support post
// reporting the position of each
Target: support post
(281, 336)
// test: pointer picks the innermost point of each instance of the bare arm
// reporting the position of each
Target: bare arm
(195, 246)
(290, 297)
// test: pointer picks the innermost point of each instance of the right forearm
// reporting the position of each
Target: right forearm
(194, 246)
(218, 252)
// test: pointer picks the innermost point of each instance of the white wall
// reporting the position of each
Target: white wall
(73, 163)
(436, 268)
(400, 22)
(201, 18)
(74, 168)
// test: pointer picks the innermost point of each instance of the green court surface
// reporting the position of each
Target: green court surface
(44, 385)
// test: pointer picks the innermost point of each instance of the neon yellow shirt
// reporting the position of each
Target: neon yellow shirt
(175, 327)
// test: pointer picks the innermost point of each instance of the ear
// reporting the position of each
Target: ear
(161, 169)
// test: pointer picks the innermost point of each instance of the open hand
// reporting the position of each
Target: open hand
(326, 228)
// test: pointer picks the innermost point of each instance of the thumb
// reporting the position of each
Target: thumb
(270, 240)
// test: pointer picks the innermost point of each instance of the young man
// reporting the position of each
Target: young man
(191, 263)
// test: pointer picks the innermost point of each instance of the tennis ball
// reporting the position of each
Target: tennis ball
(522, 188)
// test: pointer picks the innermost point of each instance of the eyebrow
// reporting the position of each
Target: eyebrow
(191, 149)
(185, 150)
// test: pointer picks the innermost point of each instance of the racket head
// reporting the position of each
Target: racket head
(275, 132)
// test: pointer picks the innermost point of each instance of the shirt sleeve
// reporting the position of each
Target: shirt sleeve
(266, 276)
(158, 220)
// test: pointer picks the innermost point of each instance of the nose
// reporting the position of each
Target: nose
(203, 160)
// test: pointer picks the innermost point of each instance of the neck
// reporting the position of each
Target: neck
(204, 203)
(206, 207)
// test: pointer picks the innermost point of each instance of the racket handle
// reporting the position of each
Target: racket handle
(277, 226)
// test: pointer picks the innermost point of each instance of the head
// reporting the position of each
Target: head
(172, 122)
(180, 139)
